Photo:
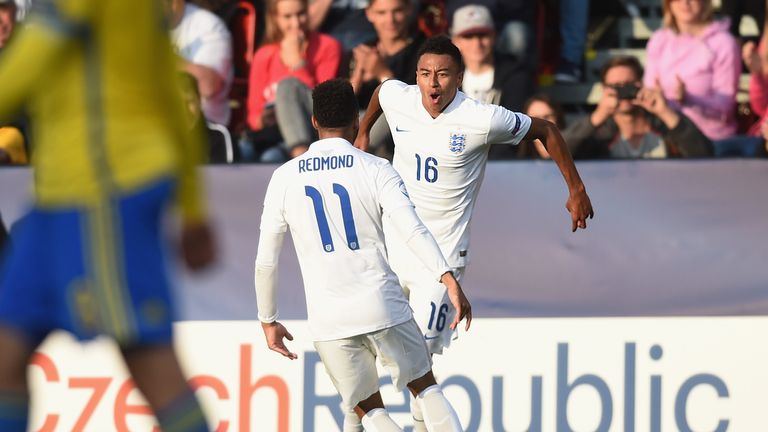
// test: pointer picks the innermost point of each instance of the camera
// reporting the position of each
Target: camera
(626, 91)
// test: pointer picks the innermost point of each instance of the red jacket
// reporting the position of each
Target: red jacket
(322, 64)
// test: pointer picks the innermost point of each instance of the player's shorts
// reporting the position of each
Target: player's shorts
(351, 362)
(428, 298)
(91, 271)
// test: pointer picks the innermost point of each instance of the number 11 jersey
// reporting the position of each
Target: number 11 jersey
(333, 198)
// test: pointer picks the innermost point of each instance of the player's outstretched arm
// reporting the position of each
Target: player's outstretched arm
(578, 203)
(372, 114)
(458, 300)
(275, 332)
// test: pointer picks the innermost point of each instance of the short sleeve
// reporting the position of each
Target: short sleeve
(389, 91)
(507, 127)
(213, 47)
(273, 218)
(391, 189)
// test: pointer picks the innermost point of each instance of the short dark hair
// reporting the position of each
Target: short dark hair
(441, 45)
(624, 60)
(334, 104)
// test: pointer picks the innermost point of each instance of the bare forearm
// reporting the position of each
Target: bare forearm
(558, 151)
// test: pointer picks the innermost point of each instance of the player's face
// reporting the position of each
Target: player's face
(291, 17)
(438, 78)
(388, 17)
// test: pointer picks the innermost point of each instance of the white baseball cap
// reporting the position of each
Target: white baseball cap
(472, 19)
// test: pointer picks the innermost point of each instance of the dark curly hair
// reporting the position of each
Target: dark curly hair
(334, 104)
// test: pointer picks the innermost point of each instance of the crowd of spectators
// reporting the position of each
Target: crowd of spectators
(678, 100)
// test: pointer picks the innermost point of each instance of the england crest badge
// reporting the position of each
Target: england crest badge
(457, 142)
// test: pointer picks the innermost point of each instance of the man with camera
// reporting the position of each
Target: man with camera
(632, 122)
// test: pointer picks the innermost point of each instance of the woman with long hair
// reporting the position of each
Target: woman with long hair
(696, 62)
(292, 61)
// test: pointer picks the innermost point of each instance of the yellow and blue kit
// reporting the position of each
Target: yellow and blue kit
(98, 79)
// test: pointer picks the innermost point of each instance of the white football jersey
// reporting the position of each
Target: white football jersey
(442, 160)
(332, 198)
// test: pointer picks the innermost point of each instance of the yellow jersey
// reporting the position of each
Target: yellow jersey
(99, 80)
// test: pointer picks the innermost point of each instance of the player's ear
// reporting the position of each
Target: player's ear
(314, 122)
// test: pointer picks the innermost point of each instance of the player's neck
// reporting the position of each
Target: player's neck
(348, 133)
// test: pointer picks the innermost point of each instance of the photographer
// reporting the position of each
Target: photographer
(632, 122)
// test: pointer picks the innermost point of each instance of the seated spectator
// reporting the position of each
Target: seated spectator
(488, 77)
(544, 107)
(696, 62)
(633, 122)
(283, 73)
(751, 144)
(7, 21)
(220, 148)
(343, 19)
(390, 54)
(205, 46)
(514, 22)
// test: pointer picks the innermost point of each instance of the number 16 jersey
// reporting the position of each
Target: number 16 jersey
(442, 160)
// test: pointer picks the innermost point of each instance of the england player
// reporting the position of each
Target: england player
(442, 139)
(112, 151)
(333, 199)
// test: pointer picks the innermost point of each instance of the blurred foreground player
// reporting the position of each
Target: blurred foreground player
(333, 198)
(112, 152)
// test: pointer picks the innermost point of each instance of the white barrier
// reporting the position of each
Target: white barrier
(604, 374)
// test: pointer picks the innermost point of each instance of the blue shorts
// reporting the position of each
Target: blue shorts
(92, 271)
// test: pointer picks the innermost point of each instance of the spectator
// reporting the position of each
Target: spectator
(574, 17)
(205, 45)
(750, 145)
(544, 107)
(696, 63)
(633, 122)
(343, 19)
(283, 72)
(514, 21)
(390, 54)
(488, 77)
(218, 142)
(7, 21)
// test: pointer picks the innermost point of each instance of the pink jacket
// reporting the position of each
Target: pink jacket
(322, 64)
(758, 97)
(709, 65)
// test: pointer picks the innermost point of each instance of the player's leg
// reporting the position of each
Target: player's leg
(134, 285)
(158, 376)
(14, 393)
(374, 415)
(351, 366)
(439, 415)
(25, 316)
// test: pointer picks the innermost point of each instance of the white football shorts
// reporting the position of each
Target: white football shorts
(351, 362)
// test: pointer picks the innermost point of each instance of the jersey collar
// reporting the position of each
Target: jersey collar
(329, 144)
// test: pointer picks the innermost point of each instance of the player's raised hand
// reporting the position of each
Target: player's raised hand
(275, 332)
(580, 207)
(458, 300)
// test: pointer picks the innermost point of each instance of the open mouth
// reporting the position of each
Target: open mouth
(434, 97)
